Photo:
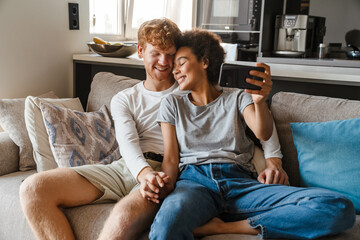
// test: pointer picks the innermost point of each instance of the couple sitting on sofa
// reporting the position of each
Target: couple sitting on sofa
(203, 132)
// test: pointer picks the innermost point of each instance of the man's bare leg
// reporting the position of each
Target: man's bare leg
(42, 195)
(217, 226)
(133, 215)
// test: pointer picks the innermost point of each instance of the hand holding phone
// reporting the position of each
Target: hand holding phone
(234, 76)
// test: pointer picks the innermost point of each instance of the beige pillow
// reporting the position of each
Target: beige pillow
(1, 130)
(13, 122)
(78, 138)
(35, 126)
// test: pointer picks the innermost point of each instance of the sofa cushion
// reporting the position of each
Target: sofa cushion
(79, 219)
(13, 122)
(87, 221)
(9, 157)
(13, 224)
(35, 126)
(104, 86)
(78, 138)
(293, 107)
(329, 156)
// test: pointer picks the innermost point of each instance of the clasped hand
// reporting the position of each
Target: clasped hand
(156, 186)
(273, 173)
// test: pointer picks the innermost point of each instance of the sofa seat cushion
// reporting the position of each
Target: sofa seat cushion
(13, 224)
(293, 107)
(87, 221)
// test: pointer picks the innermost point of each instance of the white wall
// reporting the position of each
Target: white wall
(36, 46)
(341, 17)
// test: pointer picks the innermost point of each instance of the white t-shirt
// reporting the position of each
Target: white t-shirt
(134, 111)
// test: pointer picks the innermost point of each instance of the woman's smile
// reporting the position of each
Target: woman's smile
(180, 79)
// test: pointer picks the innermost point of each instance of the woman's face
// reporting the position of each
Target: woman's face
(188, 71)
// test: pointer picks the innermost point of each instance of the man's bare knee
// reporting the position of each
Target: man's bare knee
(136, 207)
(130, 217)
(32, 188)
(62, 186)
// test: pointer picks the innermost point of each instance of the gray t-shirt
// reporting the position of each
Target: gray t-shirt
(214, 133)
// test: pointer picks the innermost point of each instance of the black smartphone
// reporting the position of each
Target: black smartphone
(234, 76)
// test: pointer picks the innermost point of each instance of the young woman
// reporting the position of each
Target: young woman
(204, 136)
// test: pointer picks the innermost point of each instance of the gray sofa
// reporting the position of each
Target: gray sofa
(88, 220)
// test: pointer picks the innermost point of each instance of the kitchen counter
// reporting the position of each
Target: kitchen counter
(96, 58)
(310, 72)
(306, 70)
(309, 77)
(327, 62)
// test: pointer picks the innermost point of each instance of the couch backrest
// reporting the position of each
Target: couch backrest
(286, 107)
(293, 107)
(104, 86)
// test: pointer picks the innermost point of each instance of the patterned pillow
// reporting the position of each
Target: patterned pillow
(78, 138)
(36, 129)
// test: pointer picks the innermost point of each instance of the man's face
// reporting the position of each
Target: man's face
(158, 62)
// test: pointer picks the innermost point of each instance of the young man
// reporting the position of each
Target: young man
(134, 111)
(43, 194)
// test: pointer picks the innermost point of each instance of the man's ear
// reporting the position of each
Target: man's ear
(205, 62)
(140, 51)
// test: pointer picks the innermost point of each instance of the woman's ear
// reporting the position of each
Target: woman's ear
(205, 62)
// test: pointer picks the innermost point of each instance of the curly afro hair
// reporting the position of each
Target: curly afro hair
(205, 46)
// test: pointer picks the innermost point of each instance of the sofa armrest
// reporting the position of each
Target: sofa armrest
(9, 155)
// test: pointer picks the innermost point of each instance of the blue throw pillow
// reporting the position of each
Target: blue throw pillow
(329, 156)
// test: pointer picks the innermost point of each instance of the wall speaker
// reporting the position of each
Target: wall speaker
(74, 16)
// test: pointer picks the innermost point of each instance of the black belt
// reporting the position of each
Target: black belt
(153, 156)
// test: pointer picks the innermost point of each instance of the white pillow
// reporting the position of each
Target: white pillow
(38, 135)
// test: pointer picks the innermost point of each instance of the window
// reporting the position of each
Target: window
(106, 17)
(120, 19)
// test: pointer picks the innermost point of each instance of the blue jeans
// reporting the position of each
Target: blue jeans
(227, 191)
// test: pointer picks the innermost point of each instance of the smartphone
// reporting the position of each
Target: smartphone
(234, 76)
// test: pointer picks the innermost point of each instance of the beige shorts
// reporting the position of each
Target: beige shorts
(114, 180)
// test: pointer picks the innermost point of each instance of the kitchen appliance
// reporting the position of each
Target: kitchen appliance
(235, 21)
(298, 35)
(353, 54)
(352, 39)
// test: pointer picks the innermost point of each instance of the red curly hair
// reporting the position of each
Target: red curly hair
(162, 33)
